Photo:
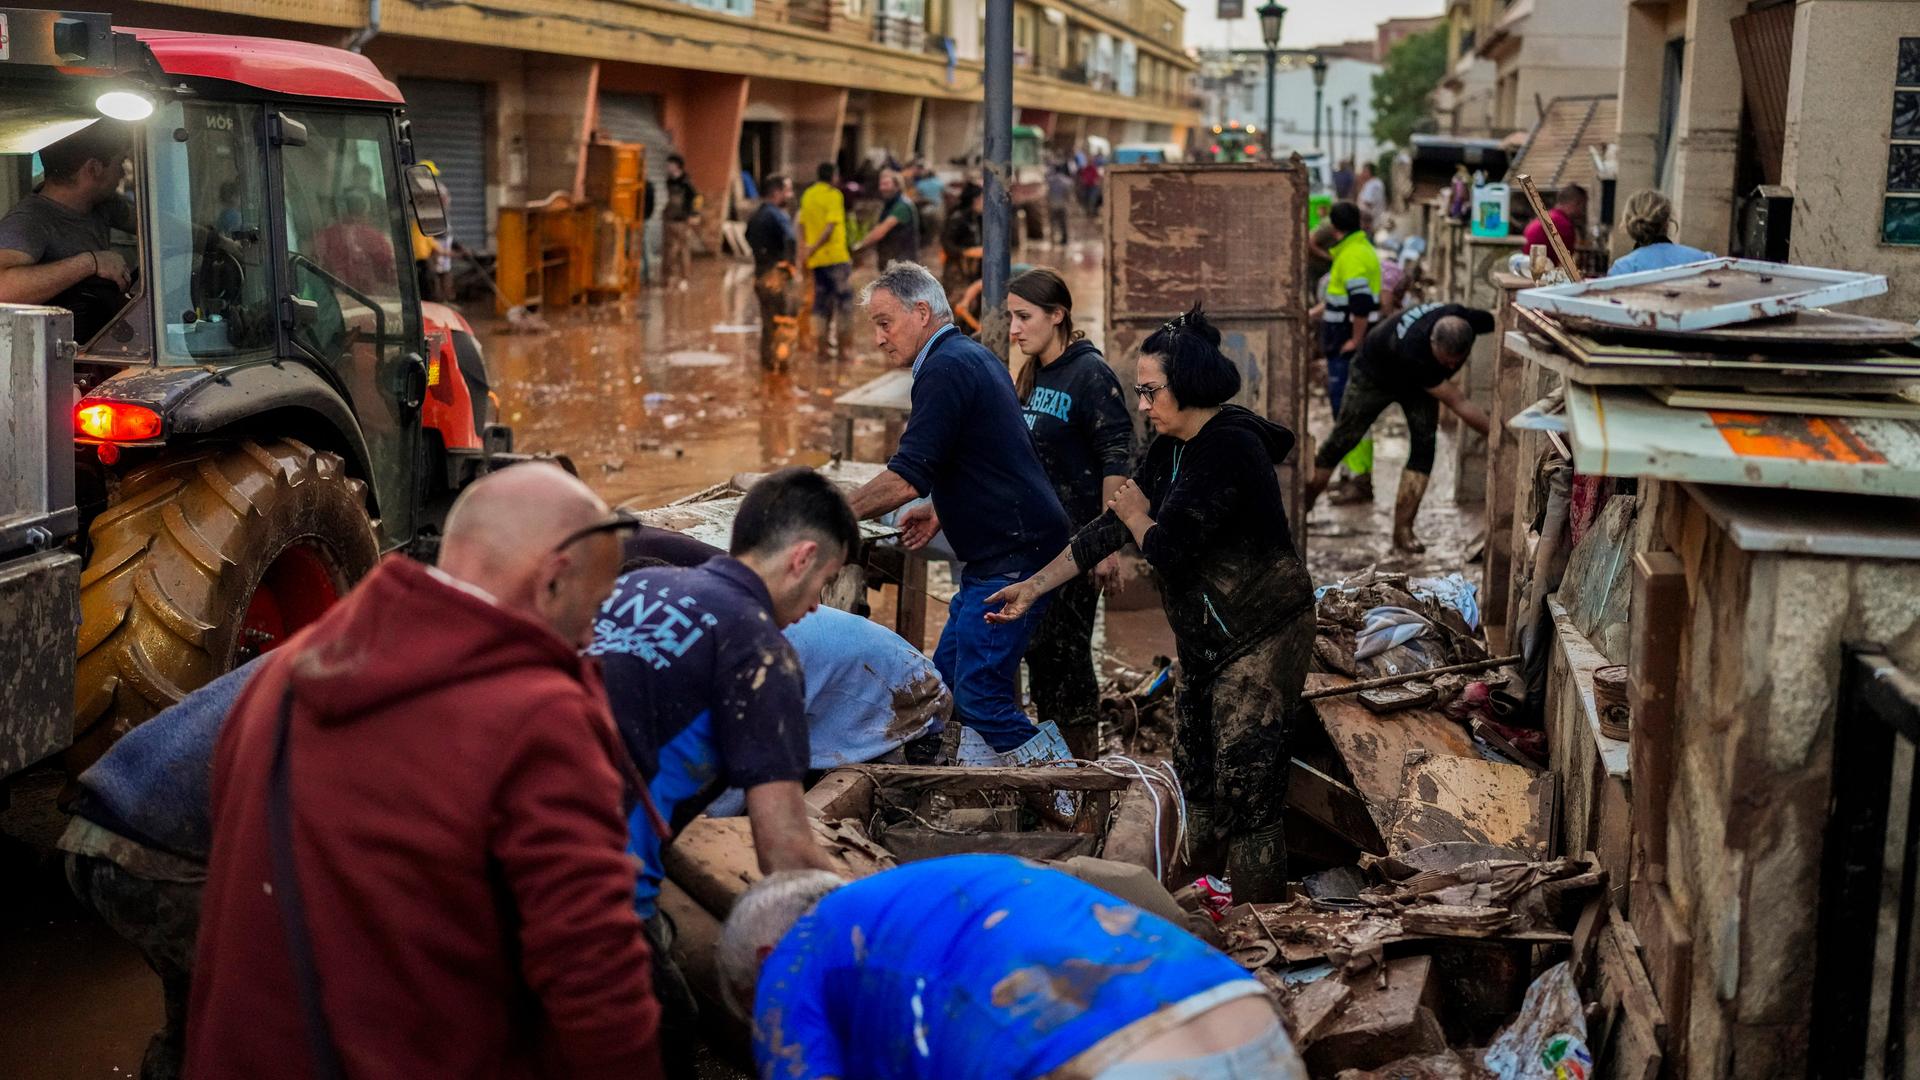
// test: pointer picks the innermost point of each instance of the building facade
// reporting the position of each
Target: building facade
(1234, 87)
(505, 97)
(1819, 100)
(1506, 59)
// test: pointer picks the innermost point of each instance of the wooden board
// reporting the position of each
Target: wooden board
(1446, 799)
(1885, 406)
(1817, 327)
(1041, 779)
(1334, 806)
(714, 861)
(1656, 629)
(1374, 748)
(1585, 360)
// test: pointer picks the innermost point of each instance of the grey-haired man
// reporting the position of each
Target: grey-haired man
(967, 446)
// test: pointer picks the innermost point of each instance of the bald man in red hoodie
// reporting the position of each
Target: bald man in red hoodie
(418, 863)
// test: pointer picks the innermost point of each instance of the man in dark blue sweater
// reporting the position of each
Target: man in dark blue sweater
(967, 446)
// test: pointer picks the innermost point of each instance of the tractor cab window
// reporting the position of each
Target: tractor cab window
(208, 193)
(344, 239)
(67, 199)
(349, 298)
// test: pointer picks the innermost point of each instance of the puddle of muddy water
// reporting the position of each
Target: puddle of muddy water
(664, 395)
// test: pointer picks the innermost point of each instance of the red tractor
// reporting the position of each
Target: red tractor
(269, 405)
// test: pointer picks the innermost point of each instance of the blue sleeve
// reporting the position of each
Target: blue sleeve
(760, 710)
(939, 399)
(793, 1037)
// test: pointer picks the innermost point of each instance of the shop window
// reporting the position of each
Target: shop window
(1900, 211)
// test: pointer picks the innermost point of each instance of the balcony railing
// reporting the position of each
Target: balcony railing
(811, 14)
(899, 32)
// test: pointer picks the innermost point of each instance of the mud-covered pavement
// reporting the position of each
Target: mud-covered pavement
(664, 396)
(653, 401)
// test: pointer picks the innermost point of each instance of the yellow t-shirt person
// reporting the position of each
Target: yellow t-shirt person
(822, 205)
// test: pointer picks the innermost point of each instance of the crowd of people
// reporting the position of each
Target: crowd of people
(427, 835)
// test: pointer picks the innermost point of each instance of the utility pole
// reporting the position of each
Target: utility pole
(996, 171)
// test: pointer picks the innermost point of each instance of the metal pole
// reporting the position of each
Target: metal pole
(1272, 57)
(997, 170)
(1333, 136)
(1316, 117)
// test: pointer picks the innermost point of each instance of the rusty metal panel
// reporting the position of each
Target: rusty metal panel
(39, 614)
(1232, 237)
(1227, 235)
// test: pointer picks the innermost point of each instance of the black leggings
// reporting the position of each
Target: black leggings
(1060, 657)
(1364, 402)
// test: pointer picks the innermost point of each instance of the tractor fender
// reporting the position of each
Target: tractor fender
(266, 398)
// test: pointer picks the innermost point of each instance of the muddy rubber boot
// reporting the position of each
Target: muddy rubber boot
(1203, 852)
(1083, 738)
(1406, 506)
(1257, 866)
(1353, 492)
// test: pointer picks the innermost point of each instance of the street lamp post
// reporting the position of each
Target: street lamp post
(1270, 15)
(1319, 66)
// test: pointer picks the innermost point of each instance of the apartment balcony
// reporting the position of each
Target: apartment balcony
(822, 15)
(900, 32)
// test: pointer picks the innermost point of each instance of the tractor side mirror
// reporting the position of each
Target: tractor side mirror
(429, 199)
(286, 131)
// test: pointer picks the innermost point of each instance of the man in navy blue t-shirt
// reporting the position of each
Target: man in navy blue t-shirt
(986, 966)
(967, 445)
(706, 692)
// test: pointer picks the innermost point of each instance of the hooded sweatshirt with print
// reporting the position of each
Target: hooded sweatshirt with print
(457, 793)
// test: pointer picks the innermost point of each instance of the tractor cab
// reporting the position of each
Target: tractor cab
(264, 402)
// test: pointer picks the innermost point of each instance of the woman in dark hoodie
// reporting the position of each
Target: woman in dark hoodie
(1078, 416)
(1204, 506)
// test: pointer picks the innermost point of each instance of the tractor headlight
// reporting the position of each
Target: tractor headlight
(124, 105)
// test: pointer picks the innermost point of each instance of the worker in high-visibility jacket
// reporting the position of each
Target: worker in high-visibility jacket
(1351, 306)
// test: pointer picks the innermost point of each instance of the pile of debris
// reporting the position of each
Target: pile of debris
(1448, 962)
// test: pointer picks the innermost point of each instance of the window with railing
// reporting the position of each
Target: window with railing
(901, 24)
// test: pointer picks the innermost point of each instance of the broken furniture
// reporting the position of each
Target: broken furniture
(707, 516)
(1761, 555)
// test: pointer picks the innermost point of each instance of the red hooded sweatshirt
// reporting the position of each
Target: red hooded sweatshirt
(457, 789)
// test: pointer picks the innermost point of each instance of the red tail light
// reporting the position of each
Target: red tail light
(116, 421)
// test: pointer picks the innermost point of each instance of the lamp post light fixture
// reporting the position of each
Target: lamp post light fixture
(1319, 66)
(1270, 15)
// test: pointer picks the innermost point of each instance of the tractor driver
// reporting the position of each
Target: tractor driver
(55, 244)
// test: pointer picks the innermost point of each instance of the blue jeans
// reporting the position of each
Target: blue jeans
(980, 662)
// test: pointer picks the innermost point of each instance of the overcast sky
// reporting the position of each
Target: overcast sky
(1308, 22)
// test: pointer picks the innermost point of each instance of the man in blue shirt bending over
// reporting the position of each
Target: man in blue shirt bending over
(967, 445)
(708, 695)
(987, 966)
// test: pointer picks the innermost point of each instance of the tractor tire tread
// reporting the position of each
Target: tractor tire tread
(180, 553)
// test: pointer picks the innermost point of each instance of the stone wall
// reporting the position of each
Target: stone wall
(1757, 683)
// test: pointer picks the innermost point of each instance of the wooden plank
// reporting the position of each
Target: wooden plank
(1669, 955)
(1374, 748)
(913, 843)
(1883, 406)
(842, 793)
(1039, 778)
(713, 859)
(1445, 799)
(910, 611)
(1655, 626)
(1333, 805)
(1812, 523)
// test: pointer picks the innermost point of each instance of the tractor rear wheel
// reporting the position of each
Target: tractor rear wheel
(203, 561)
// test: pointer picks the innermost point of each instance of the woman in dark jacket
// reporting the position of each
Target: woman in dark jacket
(1204, 506)
(1078, 416)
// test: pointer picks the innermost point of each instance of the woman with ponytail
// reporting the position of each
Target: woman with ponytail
(1078, 417)
(1204, 507)
(1648, 216)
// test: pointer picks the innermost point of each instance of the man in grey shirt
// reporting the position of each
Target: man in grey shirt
(60, 236)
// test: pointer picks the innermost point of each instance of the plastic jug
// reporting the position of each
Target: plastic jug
(1490, 209)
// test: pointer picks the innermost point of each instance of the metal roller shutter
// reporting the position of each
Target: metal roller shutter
(635, 118)
(450, 130)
